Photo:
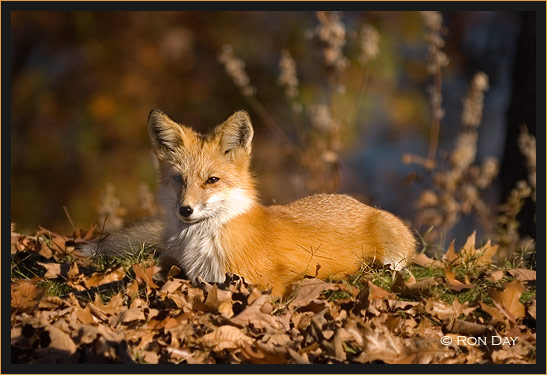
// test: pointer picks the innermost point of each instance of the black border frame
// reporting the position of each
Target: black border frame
(539, 7)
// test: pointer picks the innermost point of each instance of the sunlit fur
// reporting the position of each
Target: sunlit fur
(230, 231)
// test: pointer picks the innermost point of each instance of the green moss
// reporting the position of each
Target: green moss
(424, 272)
(55, 287)
(528, 295)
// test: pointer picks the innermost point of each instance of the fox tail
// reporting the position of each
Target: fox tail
(146, 233)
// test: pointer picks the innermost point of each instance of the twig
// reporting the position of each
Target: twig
(420, 160)
(269, 121)
(362, 89)
(436, 120)
(76, 232)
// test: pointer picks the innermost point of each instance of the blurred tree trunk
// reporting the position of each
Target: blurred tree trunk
(522, 111)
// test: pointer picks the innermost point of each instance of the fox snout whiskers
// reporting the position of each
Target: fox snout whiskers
(191, 214)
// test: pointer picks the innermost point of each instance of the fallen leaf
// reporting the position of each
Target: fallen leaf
(195, 298)
(145, 275)
(58, 242)
(138, 303)
(469, 246)
(226, 337)
(466, 328)
(307, 290)
(419, 288)
(253, 296)
(173, 271)
(84, 315)
(394, 305)
(253, 315)
(423, 350)
(53, 270)
(496, 276)
(45, 250)
(262, 355)
(496, 315)
(130, 315)
(501, 307)
(25, 295)
(171, 286)
(109, 334)
(51, 303)
(176, 321)
(150, 357)
(454, 283)
(382, 345)
(180, 354)
(97, 311)
(451, 277)
(509, 298)
(73, 272)
(301, 359)
(483, 255)
(219, 300)
(277, 339)
(379, 293)
(523, 275)
(100, 278)
(423, 260)
(60, 340)
(516, 354)
(426, 328)
(339, 343)
(301, 320)
(314, 346)
(440, 309)
(463, 308)
(450, 255)
(115, 304)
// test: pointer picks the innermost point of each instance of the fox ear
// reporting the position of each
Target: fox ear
(165, 134)
(236, 132)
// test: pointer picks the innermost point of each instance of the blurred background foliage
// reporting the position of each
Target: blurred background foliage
(337, 100)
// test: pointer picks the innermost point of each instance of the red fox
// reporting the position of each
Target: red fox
(214, 224)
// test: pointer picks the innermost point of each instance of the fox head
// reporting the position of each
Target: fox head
(203, 176)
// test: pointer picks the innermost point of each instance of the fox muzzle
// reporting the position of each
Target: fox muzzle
(185, 211)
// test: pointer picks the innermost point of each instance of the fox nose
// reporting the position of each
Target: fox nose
(185, 211)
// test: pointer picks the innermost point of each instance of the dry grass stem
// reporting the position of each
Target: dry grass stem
(332, 33)
(110, 210)
(437, 59)
(456, 190)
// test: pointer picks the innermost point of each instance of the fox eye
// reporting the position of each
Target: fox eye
(211, 180)
(177, 178)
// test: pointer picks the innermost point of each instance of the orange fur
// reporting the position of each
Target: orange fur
(322, 235)
(229, 231)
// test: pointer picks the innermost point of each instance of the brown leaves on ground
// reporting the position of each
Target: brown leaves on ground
(25, 294)
(124, 315)
(507, 300)
(479, 256)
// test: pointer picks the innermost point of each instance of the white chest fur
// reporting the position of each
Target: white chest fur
(197, 249)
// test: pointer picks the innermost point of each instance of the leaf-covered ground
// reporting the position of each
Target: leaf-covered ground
(458, 309)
